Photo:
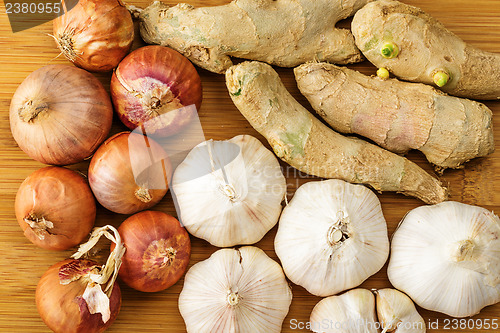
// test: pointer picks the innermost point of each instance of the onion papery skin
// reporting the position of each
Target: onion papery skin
(158, 251)
(95, 34)
(60, 114)
(62, 307)
(112, 178)
(61, 197)
(156, 87)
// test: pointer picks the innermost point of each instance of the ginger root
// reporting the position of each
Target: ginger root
(304, 142)
(427, 51)
(285, 33)
(399, 116)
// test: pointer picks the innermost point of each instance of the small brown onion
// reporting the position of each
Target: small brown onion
(158, 88)
(76, 296)
(62, 307)
(55, 208)
(158, 251)
(60, 114)
(129, 173)
(95, 34)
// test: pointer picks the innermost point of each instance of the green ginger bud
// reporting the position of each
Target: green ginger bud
(389, 50)
(441, 78)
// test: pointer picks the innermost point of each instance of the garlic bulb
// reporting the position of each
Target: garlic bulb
(332, 236)
(235, 291)
(397, 313)
(351, 312)
(229, 192)
(446, 257)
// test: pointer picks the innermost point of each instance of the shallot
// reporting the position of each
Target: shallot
(95, 34)
(60, 114)
(157, 88)
(78, 295)
(158, 251)
(129, 173)
(55, 208)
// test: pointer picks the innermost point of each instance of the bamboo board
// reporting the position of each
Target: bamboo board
(22, 264)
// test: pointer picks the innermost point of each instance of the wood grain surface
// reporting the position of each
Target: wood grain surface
(22, 264)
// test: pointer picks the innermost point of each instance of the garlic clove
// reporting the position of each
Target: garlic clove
(397, 313)
(446, 257)
(351, 312)
(332, 236)
(229, 192)
(235, 290)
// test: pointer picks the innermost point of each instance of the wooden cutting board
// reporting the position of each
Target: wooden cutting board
(22, 264)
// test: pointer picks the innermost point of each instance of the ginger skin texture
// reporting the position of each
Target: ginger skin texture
(304, 142)
(397, 115)
(284, 33)
(428, 52)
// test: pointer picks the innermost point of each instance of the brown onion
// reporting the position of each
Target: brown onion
(158, 88)
(95, 34)
(60, 114)
(55, 208)
(62, 307)
(76, 296)
(129, 173)
(158, 251)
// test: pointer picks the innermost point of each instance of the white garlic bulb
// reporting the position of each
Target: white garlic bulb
(332, 236)
(351, 312)
(229, 192)
(446, 257)
(235, 291)
(397, 313)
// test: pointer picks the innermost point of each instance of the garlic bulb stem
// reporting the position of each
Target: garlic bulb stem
(462, 250)
(232, 298)
(227, 188)
(210, 154)
(212, 162)
(337, 232)
(334, 235)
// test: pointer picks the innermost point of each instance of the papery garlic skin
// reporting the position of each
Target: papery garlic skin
(332, 236)
(397, 313)
(446, 257)
(235, 291)
(351, 312)
(229, 192)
